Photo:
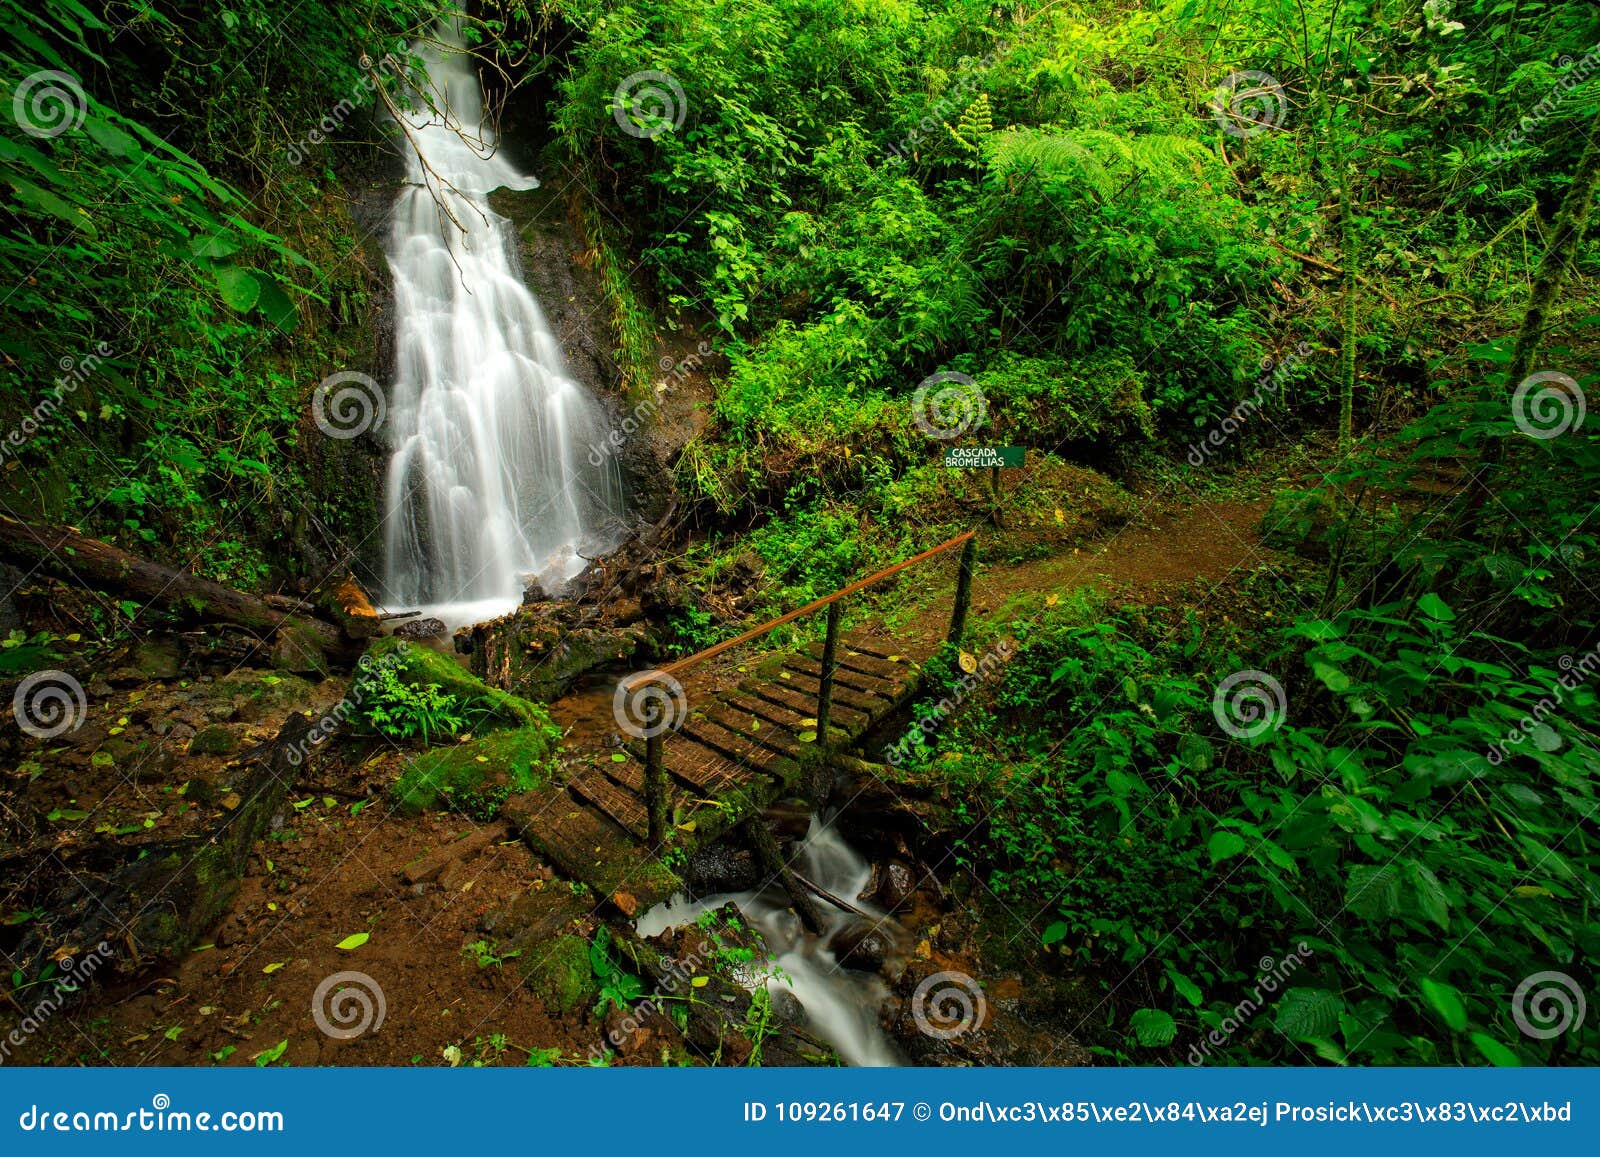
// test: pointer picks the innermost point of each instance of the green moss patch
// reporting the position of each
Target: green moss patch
(560, 974)
(476, 777)
(423, 665)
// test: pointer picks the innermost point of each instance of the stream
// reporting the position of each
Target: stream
(490, 483)
(841, 1004)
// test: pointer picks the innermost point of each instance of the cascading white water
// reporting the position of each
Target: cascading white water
(492, 479)
(841, 1004)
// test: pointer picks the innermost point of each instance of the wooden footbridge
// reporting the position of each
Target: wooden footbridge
(703, 761)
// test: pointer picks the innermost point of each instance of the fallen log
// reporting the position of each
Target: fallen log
(771, 861)
(65, 552)
(437, 860)
(823, 894)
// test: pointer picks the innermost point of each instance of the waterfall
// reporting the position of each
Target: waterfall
(492, 479)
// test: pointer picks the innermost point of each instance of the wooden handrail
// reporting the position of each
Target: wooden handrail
(632, 681)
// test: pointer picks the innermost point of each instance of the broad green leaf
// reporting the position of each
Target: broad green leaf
(1225, 844)
(1444, 999)
(1306, 1014)
(1153, 1028)
(353, 941)
(240, 289)
(1493, 1051)
(1434, 607)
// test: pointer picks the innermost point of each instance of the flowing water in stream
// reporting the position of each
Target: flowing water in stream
(491, 480)
(841, 1004)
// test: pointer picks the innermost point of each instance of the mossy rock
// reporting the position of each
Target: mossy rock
(560, 975)
(298, 649)
(260, 696)
(477, 776)
(214, 740)
(423, 665)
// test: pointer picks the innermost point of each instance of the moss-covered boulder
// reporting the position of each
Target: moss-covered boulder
(419, 666)
(214, 740)
(476, 777)
(559, 973)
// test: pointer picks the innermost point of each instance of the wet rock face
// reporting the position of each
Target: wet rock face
(891, 885)
(720, 868)
(865, 945)
(421, 630)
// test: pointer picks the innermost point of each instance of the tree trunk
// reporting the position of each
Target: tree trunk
(1571, 222)
(68, 554)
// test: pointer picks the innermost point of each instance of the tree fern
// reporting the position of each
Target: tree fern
(1102, 160)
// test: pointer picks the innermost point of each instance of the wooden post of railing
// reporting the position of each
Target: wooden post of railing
(830, 646)
(655, 774)
(958, 616)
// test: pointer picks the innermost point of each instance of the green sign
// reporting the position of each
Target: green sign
(984, 457)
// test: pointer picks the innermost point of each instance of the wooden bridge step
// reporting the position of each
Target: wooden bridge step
(621, 805)
(761, 731)
(773, 714)
(868, 644)
(864, 663)
(872, 706)
(842, 676)
(732, 745)
(782, 696)
(696, 765)
(846, 678)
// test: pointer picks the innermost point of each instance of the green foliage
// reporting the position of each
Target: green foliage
(403, 710)
(618, 987)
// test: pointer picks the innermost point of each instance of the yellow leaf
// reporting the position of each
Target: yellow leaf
(700, 981)
(271, 968)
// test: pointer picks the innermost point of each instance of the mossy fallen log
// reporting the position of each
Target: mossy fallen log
(300, 642)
